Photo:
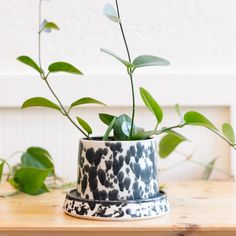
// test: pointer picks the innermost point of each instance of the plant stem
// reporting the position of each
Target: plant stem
(8, 166)
(122, 31)
(63, 109)
(129, 71)
(45, 77)
(39, 34)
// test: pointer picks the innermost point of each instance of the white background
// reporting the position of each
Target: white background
(197, 36)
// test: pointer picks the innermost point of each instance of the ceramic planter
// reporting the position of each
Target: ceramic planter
(117, 180)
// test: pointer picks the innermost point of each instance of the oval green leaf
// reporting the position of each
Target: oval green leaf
(196, 118)
(228, 132)
(30, 180)
(48, 26)
(30, 62)
(109, 129)
(106, 118)
(110, 12)
(37, 157)
(122, 127)
(126, 63)
(148, 60)
(151, 104)
(63, 67)
(142, 134)
(169, 142)
(84, 125)
(86, 100)
(40, 102)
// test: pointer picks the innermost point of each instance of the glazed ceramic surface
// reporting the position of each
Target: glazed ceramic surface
(117, 179)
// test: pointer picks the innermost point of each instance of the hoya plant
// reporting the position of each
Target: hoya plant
(120, 127)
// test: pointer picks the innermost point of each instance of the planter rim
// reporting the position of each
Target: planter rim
(97, 140)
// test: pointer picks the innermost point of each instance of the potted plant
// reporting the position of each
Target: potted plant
(117, 173)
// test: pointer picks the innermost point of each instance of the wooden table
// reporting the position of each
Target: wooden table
(197, 208)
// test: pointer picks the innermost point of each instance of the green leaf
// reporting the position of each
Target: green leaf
(86, 100)
(122, 127)
(148, 60)
(37, 157)
(228, 132)
(151, 104)
(110, 12)
(195, 118)
(63, 67)
(142, 134)
(177, 108)
(30, 62)
(84, 125)
(208, 170)
(109, 129)
(30, 180)
(169, 142)
(1, 170)
(48, 26)
(40, 102)
(106, 118)
(126, 63)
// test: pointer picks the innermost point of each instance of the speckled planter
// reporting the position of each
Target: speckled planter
(117, 180)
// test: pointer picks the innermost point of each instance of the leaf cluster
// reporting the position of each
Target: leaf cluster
(30, 175)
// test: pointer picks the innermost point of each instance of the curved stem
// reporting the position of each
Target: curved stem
(63, 109)
(45, 77)
(8, 166)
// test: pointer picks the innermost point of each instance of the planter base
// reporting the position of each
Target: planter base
(115, 210)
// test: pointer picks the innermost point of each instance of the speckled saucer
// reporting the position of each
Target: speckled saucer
(115, 210)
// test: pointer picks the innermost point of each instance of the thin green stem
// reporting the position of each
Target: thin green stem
(45, 77)
(130, 72)
(122, 31)
(8, 166)
(63, 109)
(212, 167)
(163, 130)
(133, 106)
(39, 33)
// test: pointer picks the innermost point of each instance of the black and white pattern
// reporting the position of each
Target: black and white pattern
(117, 177)
(115, 210)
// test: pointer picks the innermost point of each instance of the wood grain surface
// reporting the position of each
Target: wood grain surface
(197, 208)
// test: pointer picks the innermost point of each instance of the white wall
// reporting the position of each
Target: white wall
(196, 36)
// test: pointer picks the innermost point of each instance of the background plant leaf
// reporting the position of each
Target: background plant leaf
(37, 157)
(228, 132)
(196, 118)
(142, 135)
(106, 118)
(126, 63)
(149, 60)
(63, 67)
(1, 170)
(84, 125)
(177, 108)
(110, 12)
(30, 62)
(30, 180)
(169, 142)
(151, 104)
(109, 129)
(40, 102)
(208, 169)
